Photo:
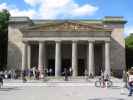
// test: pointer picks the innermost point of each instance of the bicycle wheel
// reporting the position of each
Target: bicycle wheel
(109, 83)
(97, 84)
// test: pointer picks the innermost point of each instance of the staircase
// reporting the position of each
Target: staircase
(58, 81)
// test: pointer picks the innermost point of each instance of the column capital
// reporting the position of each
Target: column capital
(58, 41)
(41, 41)
(91, 41)
(107, 41)
(25, 42)
(75, 41)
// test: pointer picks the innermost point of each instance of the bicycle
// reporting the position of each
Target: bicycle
(103, 83)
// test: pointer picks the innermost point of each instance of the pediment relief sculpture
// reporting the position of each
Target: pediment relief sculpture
(67, 26)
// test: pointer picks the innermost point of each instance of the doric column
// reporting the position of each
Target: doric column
(29, 57)
(41, 59)
(57, 58)
(74, 58)
(90, 58)
(24, 56)
(107, 58)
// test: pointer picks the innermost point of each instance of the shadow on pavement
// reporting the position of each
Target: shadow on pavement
(9, 88)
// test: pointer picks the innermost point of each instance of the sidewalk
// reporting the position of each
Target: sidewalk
(61, 90)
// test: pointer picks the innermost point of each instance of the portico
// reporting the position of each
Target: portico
(73, 54)
(73, 46)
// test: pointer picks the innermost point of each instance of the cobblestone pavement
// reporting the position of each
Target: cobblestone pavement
(60, 92)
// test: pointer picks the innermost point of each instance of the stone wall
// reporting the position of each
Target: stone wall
(117, 48)
(15, 46)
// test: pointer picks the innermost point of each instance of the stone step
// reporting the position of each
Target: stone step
(55, 84)
(61, 80)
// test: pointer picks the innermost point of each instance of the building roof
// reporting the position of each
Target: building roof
(69, 25)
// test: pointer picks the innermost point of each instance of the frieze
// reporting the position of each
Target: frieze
(66, 34)
(67, 26)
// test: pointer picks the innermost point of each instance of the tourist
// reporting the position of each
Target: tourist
(37, 74)
(66, 74)
(86, 74)
(1, 81)
(24, 76)
(91, 76)
(9, 74)
(2, 74)
(70, 71)
(46, 72)
(106, 79)
(14, 75)
(34, 72)
(50, 71)
(5, 74)
(130, 81)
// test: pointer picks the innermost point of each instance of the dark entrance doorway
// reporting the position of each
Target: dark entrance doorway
(98, 59)
(81, 67)
(51, 67)
(34, 55)
(66, 63)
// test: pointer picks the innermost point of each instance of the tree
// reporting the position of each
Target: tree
(4, 18)
(129, 51)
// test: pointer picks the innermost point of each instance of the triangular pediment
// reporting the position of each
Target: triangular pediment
(67, 26)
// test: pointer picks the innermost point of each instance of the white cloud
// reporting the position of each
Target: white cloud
(128, 30)
(52, 9)
(3, 6)
(84, 10)
(32, 2)
(16, 12)
(64, 8)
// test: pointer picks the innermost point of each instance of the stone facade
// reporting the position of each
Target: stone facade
(109, 29)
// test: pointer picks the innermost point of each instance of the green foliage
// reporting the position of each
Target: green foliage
(129, 51)
(4, 17)
(129, 41)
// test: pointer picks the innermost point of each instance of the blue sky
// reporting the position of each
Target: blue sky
(75, 9)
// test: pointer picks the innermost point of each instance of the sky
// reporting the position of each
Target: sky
(71, 9)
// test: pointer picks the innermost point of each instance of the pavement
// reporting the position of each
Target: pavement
(61, 90)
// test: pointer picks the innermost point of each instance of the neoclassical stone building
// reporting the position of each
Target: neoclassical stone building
(91, 45)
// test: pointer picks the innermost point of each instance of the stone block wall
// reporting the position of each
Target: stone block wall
(117, 48)
(15, 45)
